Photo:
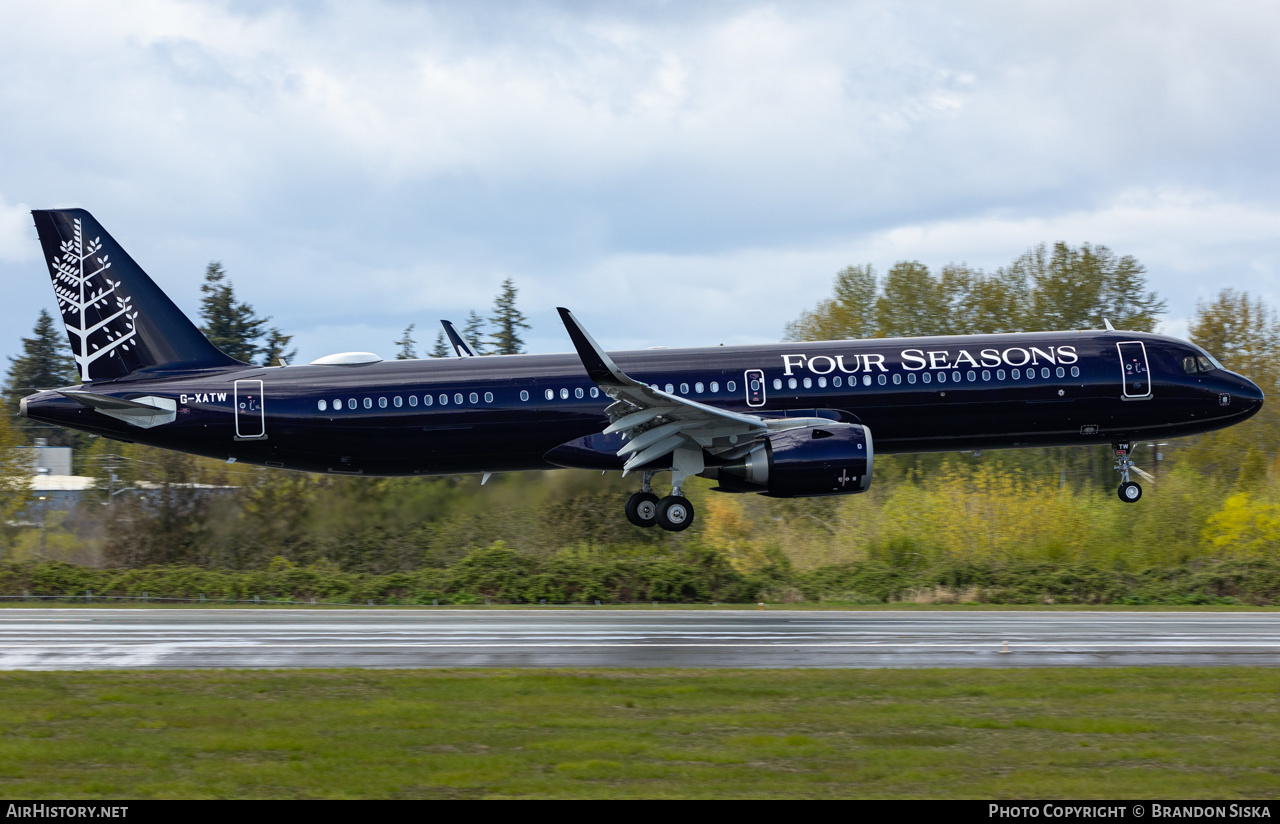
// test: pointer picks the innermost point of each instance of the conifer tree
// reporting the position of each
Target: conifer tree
(45, 363)
(229, 324)
(441, 348)
(473, 332)
(276, 352)
(507, 322)
(406, 344)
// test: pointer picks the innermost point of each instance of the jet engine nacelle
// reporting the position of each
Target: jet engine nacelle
(832, 459)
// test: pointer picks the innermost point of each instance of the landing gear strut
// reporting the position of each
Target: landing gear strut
(1129, 491)
(673, 513)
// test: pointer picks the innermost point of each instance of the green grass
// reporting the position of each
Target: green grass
(1079, 733)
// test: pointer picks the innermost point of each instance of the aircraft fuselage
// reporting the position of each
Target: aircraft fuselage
(516, 412)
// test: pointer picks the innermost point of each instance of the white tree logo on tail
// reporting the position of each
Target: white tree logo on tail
(79, 290)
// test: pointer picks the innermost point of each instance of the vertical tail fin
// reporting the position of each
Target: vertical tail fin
(118, 321)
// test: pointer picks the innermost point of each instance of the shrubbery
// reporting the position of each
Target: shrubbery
(698, 575)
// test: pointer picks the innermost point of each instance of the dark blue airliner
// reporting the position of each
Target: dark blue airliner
(785, 420)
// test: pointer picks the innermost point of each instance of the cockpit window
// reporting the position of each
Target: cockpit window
(1200, 362)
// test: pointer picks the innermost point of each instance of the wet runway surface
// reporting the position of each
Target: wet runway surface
(48, 639)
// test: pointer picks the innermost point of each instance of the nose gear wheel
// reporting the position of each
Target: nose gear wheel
(1129, 492)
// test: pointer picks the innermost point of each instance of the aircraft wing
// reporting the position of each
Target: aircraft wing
(459, 344)
(656, 423)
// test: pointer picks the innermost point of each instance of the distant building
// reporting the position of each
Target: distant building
(56, 489)
(50, 460)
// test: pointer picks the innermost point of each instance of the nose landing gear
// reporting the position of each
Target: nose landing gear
(1129, 492)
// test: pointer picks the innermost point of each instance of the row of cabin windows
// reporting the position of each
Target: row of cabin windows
(579, 393)
(594, 392)
(397, 401)
(926, 377)
(698, 388)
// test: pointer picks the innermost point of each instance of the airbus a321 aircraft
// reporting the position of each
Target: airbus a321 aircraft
(784, 420)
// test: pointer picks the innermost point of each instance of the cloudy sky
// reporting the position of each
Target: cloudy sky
(678, 174)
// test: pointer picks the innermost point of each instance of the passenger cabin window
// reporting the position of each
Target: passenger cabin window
(595, 391)
(777, 383)
(413, 400)
(488, 397)
(475, 398)
(836, 381)
(382, 403)
(444, 400)
(731, 386)
(698, 387)
(578, 393)
(322, 404)
(911, 377)
(715, 387)
(551, 394)
(1075, 371)
(684, 389)
(457, 398)
(426, 400)
(524, 394)
(564, 394)
(399, 401)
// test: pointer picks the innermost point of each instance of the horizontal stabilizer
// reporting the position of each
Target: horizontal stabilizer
(144, 412)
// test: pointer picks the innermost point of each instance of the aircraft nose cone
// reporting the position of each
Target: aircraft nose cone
(1250, 393)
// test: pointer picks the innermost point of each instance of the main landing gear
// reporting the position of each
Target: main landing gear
(1130, 492)
(673, 513)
